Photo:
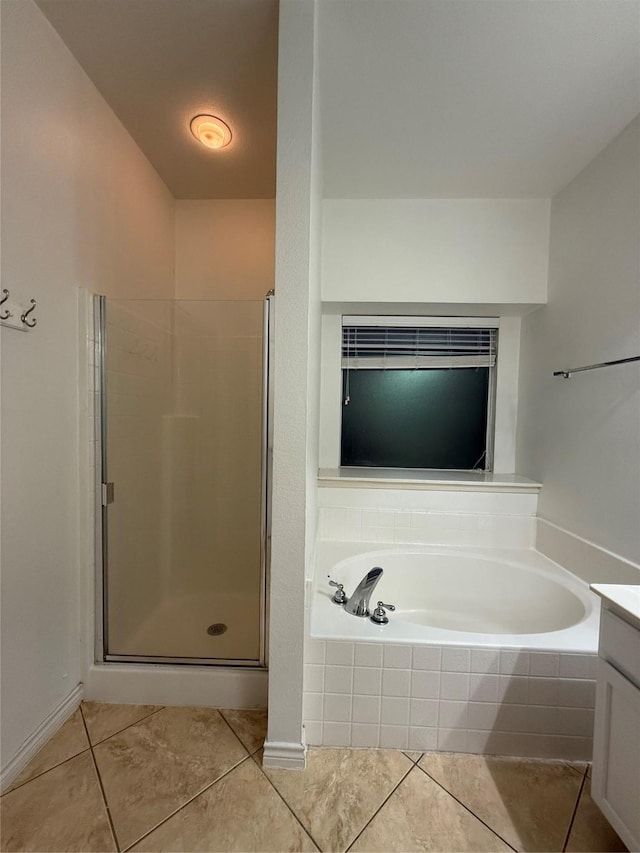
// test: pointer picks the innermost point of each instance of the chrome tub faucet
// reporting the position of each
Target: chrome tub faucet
(358, 603)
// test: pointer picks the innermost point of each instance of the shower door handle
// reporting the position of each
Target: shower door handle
(108, 494)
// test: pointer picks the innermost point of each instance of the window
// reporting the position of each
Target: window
(418, 392)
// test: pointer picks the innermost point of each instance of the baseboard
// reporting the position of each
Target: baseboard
(202, 686)
(39, 737)
(587, 560)
(284, 755)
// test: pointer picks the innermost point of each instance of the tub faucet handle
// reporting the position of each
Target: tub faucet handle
(339, 597)
(379, 615)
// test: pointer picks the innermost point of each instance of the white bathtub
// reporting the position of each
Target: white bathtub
(482, 598)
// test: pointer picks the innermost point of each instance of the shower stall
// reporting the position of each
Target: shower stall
(183, 480)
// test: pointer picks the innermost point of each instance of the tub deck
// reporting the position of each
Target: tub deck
(331, 622)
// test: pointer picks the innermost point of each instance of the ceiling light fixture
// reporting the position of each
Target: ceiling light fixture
(211, 131)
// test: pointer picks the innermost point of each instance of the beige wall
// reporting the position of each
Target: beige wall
(81, 207)
(581, 436)
(225, 248)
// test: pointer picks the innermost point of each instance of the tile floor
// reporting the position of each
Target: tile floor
(146, 778)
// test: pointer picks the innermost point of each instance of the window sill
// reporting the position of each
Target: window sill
(398, 478)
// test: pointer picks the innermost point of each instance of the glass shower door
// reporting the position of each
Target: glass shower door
(183, 386)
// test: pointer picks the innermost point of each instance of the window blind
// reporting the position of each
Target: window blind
(415, 347)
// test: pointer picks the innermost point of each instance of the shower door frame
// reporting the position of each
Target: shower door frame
(102, 655)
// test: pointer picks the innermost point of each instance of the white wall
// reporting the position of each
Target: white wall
(435, 250)
(81, 207)
(581, 436)
(297, 312)
(225, 248)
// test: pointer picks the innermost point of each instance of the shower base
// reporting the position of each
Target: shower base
(178, 629)
(180, 626)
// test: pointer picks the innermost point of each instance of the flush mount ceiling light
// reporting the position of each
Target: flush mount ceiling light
(211, 131)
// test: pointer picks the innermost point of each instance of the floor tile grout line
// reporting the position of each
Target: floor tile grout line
(48, 770)
(465, 806)
(415, 761)
(112, 828)
(185, 804)
(576, 770)
(253, 756)
(575, 810)
(266, 776)
(75, 755)
(53, 766)
(220, 710)
(129, 726)
(382, 804)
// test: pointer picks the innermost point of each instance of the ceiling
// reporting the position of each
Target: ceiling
(158, 63)
(472, 98)
(419, 98)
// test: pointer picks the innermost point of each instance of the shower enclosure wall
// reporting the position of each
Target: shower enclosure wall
(183, 549)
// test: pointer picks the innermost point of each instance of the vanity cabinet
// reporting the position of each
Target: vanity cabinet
(615, 785)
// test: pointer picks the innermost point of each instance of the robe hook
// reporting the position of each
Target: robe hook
(24, 316)
(4, 315)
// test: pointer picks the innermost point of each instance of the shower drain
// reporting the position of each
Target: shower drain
(216, 629)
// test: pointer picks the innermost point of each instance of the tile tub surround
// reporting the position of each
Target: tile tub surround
(457, 699)
(428, 516)
(430, 508)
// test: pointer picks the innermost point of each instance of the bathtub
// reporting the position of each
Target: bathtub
(485, 598)
(489, 651)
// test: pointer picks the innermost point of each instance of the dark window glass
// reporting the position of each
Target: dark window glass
(415, 418)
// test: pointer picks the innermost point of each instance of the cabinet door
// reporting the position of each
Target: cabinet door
(616, 753)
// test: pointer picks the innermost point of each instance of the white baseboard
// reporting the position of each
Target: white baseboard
(587, 560)
(202, 686)
(39, 737)
(283, 755)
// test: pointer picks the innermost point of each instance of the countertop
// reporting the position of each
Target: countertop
(623, 598)
(424, 478)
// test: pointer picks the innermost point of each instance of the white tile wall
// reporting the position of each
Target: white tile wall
(505, 701)
(462, 525)
(485, 660)
(397, 657)
(368, 654)
(484, 686)
(544, 663)
(423, 738)
(367, 681)
(340, 654)
(364, 734)
(338, 679)
(394, 737)
(396, 682)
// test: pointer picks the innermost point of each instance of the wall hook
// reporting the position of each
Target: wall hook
(26, 314)
(4, 315)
